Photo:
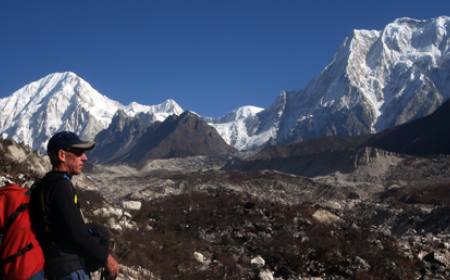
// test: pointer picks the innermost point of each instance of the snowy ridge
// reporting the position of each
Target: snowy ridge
(235, 127)
(160, 111)
(64, 101)
(240, 114)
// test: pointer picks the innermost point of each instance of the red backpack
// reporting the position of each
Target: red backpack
(20, 254)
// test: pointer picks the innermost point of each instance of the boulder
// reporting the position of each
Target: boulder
(266, 275)
(325, 217)
(199, 257)
(258, 261)
(132, 205)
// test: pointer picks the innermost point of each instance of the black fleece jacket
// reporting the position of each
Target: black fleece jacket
(62, 229)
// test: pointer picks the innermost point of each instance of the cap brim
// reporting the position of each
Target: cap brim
(86, 145)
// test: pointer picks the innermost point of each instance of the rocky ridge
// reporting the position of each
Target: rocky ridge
(136, 140)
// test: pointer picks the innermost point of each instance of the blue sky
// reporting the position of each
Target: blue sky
(211, 56)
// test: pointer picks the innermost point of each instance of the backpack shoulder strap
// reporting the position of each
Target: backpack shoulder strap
(19, 253)
(22, 207)
(39, 204)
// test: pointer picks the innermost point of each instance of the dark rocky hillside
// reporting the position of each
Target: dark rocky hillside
(119, 138)
(321, 145)
(235, 225)
(241, 237)
(137, 140)
(311, 158)
(426, 136)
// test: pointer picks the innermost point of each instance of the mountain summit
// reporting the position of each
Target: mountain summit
(376, 80)
(64, 101)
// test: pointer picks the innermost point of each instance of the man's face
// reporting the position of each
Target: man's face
(73, 159)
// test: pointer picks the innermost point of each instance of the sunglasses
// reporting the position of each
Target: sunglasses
(77, 152)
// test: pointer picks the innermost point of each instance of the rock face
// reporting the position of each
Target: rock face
(376, 80)
(18, 160)
(64, 101)
(121, 136)
(425, 136)
(138, 139)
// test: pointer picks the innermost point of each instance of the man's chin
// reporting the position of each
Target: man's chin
(76, 172)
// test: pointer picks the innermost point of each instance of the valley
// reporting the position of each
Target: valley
(387, 216)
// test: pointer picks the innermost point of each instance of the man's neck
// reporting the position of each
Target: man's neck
(60, 168)
(66, 174)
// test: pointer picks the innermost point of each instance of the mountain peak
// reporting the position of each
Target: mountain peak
(160, 111)
(171, 105)
(246, 111)
(407, 20)
(53, 79)
(64, 75)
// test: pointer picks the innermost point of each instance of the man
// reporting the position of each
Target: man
(68, 246)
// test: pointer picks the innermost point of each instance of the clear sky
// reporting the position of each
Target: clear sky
(211, 56)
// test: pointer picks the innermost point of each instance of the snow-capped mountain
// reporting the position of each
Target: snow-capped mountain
(237, 127)
(64, 101)
(376, 80)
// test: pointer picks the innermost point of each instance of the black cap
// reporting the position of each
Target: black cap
(66, 139)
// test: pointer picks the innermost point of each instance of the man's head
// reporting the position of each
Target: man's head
(67, 152)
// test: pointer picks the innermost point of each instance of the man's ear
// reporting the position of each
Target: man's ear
(61, 156)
